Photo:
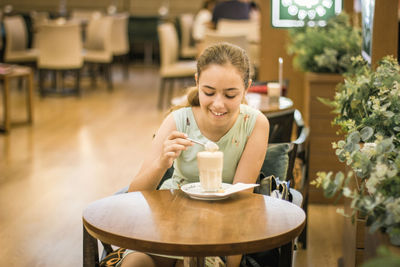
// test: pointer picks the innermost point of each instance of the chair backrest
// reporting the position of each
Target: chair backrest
(280, 125)
(98, 34)
(250, 28)
(168, 42)
(186, 24)
(16, 34)
(60, 46)
(84, 16)
(119, 34)
(39, 18)
(216, 37)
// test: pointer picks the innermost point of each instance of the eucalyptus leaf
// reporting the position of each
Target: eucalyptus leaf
(366, 133)
(354, 138)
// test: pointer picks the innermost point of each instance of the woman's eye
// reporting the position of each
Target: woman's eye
(208, 94)
(230, 96)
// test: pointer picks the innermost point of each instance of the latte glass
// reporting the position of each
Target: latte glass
(210, 166)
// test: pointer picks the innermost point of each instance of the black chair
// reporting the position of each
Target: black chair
(280, 125)
(302, 156)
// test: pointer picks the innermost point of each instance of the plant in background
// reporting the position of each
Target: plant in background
(368, 108)
(325, 49)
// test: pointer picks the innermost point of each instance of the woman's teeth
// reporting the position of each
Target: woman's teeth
(218, 113)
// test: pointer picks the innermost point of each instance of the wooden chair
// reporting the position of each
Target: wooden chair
(171, 69)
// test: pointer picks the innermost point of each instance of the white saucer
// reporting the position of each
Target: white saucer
(195, 191)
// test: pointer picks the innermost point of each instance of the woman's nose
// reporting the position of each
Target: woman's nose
(218, 101)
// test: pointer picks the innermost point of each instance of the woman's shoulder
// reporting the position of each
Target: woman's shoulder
(246, 109)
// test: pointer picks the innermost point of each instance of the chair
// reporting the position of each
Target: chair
(120, 40)
(212, 37)
(301, 176)
(17, 42)
(171, 68)
(38, 18)
(187, 50)
(250, 28)
(280, 125)
(61, 48)
(84, 15)
(97, 52)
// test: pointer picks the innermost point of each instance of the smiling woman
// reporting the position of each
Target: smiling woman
(214, 112)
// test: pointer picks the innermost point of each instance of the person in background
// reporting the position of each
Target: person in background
(214, 112)
(254, 11)
(231, 9)
(202, 20)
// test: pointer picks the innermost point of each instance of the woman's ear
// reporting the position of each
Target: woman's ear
(250, 82)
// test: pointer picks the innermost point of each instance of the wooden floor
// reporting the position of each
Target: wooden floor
(82, 149)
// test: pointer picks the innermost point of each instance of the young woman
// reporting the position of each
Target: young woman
(214, 113)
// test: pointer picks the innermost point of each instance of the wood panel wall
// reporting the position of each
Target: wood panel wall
(273, 45)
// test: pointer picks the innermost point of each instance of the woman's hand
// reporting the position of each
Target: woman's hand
(172, 147)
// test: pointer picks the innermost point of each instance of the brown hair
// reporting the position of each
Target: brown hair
(220, 54)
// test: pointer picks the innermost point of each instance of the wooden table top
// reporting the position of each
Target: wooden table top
(169, 222)
(261, 102)
(14, 71)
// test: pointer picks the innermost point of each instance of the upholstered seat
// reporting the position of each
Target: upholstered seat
(171, 68)
(187, 48)
(239, 39)
(60, 46)
(120, 40)
(249, 28)
(97, 50)
(16, 50)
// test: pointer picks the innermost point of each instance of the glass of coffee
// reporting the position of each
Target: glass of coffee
(210, 164)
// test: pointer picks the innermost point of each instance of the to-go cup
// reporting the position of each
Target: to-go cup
(210, 166)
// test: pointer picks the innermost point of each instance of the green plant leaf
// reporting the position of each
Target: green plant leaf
(366, 133)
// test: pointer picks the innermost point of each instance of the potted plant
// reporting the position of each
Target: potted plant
(325, 49)
(323, 53)
(367, 105)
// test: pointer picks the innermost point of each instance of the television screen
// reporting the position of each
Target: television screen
(367, 14)
(298, 13)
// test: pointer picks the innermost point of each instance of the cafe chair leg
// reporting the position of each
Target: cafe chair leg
(286, 255)
(193, 261)
(90, 250)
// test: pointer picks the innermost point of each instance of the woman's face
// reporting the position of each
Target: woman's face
(221, 91)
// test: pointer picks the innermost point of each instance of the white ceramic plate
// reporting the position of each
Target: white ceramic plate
(195, 191)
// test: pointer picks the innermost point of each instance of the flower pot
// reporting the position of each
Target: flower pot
(319, 117)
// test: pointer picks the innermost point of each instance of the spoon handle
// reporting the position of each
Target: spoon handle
(195, 141)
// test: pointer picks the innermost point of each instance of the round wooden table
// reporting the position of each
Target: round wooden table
(262, 103)
(170, 222)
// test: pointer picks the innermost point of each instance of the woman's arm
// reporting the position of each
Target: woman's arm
(254, 152)
(167, 145)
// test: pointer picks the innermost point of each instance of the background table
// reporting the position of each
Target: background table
(16, 72)
(169, 222)
(261, 102)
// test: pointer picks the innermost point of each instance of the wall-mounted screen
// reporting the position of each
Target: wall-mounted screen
(367, 14)
(296, 13)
